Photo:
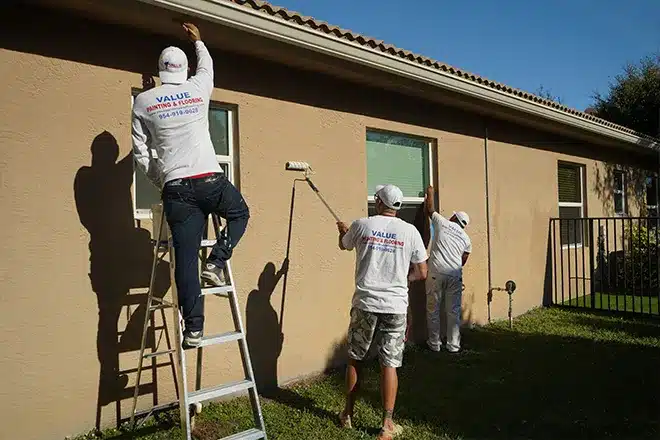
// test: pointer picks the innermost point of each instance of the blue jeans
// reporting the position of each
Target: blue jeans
(187, 204)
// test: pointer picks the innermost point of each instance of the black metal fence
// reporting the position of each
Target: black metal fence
(607, 263)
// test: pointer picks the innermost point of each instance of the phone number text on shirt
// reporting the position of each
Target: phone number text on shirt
(179, 112)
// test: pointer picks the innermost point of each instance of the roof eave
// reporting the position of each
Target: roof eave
(265, 25)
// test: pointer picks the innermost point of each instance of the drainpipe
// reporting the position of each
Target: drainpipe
(490, 275)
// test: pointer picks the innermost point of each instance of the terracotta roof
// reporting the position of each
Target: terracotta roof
(380, 46)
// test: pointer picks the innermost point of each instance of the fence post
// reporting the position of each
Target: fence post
(592, 272)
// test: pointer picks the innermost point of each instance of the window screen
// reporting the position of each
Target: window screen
(219, 129)
(399, 160)
(570, 188)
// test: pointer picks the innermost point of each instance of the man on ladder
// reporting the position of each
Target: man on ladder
(172, 121)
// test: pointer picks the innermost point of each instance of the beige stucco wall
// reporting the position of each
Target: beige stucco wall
(57, 102)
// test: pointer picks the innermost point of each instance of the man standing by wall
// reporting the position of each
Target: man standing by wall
(450, 250)
(386, 246)
(172, 121)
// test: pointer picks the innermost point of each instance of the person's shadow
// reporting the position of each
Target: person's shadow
(263, 332)
(265, 341)
(121, 257)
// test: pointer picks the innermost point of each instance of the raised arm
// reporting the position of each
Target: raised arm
(429, 201)
(204, 73)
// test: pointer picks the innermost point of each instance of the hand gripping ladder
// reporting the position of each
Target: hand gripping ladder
(189, 402)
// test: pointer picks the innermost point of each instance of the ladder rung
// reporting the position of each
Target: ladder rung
(162, 301)
(161, 306)
(220, 338)
(158, 353)
(221, 291)
(155, 409)
(250, 434)
(219, 391)
(204, 243)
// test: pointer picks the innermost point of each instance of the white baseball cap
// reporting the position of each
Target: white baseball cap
(173, 65)
(390, 195)
(463, 218)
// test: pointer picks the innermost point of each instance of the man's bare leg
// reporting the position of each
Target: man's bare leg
(353, 373)
(389, 384)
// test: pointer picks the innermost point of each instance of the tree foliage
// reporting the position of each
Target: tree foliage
(633, 98)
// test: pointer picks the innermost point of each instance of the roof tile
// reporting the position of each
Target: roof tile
(379, 45)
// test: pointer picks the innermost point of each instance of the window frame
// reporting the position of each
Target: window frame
(621, 192)
(431, 148)
(581, 168)
(229, 161)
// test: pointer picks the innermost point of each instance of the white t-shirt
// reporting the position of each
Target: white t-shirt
(172, 121)
(385, 247)
(450, 241)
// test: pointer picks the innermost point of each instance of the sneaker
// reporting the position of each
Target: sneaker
(214, 275)
(192, 339)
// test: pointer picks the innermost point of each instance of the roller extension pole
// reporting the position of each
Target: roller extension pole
(318, 193)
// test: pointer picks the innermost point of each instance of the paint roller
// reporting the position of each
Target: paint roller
(307, 169)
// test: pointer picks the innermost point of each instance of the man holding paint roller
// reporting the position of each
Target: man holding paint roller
(172, 121)
(390, 253)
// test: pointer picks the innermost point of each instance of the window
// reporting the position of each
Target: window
(571, 202)
(652, 196)
(401, 160)
(221, 121)
(619, 192)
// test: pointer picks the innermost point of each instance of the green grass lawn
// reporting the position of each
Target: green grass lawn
(559, 374)
(622, 303)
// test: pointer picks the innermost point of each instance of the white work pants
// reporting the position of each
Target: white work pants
(443, 311)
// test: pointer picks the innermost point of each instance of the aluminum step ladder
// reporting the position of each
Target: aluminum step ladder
(190, 402)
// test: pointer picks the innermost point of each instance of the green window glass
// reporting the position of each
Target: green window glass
(399, 160)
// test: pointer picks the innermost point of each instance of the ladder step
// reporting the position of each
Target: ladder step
(220, 291)
(161, 306)
(221, 338)
(158, 353)
(251, 434)
(204, 243)
(156, 409)
(219, 391)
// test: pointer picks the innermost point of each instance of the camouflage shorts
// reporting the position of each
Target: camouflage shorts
(389, 331)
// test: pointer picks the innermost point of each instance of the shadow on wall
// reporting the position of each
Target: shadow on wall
(263, 331)
(120, 259)
(265, 341)
(635, 184)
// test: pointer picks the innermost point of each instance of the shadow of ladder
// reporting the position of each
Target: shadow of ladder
(190, 402)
